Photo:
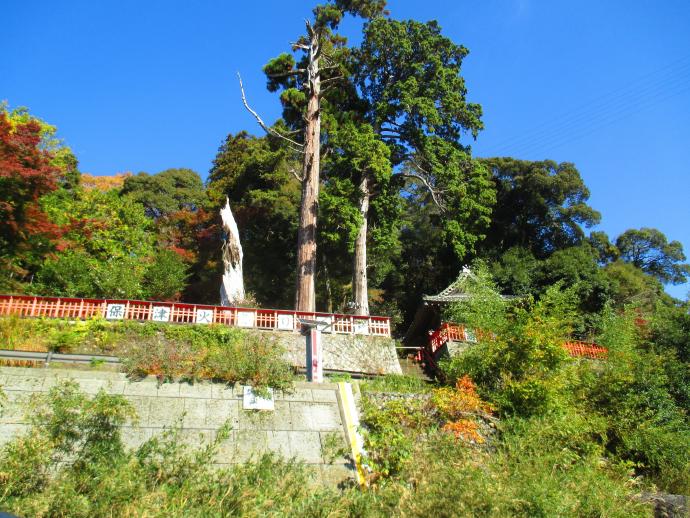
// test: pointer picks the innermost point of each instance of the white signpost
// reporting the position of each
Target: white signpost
(312, 330)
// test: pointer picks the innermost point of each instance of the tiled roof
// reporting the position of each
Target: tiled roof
(456, 291)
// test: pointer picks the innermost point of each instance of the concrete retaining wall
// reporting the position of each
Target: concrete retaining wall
(298, 427)
(367, 354)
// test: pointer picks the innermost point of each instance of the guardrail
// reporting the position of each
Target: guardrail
(181, 313)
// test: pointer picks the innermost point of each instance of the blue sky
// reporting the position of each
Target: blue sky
(143, 86)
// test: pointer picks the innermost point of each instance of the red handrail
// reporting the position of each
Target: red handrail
(185, 313)
(450, 332)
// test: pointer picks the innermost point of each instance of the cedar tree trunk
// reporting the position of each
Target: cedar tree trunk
(305, 299)
(360, 285)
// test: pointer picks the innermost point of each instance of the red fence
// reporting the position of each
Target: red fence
(175, 312)
(449, 332)
(586, 350)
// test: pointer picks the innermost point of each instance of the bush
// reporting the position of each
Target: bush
(395, 383)
(518, 365)
(160, 478)
(207, 352)
(546, 466)
(645, 423)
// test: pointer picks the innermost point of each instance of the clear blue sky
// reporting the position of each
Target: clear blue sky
(147, 85)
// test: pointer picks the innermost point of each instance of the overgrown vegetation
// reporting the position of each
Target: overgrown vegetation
(537, 467)
(633, 406)
(208, 352)
(162, 477)
(167, 351)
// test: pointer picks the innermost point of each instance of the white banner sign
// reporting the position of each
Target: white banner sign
(160, 314)
(361, 327)
(204, 316)
(115, 312)
(286, 322)
(245, 318)
(251, 401)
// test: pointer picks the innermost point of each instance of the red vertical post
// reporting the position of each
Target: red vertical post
(314, 355)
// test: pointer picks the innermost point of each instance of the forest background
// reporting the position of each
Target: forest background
(399, 124)
(425, 250)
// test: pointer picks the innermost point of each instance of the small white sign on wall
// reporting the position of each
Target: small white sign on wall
(204, 316)
(160, 314)
(246, 318)
(251, 401)
(115, 312)
(361, 327)
(286, 322)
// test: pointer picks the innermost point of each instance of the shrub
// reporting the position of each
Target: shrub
(519, 368)
(207, 352)
(645, 423)
(162, 477)
(545, 466)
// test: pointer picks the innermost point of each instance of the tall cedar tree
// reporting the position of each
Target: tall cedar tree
(411, 93)
(301, 97)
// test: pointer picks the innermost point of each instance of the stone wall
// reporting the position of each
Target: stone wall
(301, 423)
(358, 353)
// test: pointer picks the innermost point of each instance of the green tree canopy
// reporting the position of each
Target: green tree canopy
(107, 249)
(650, 250)
(166, 192)
(540, 206)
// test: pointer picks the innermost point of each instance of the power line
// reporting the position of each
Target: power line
(631, 89)
(636, 95)
(566, 135)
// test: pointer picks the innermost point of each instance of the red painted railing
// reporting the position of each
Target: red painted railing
(181, 313)
(449, 332)
(586, 350)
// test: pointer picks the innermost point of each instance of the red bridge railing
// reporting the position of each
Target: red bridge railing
(449, 332)
(181, 313)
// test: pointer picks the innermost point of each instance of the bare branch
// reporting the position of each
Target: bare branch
(324, 81)
(266, 128)
(429, 187)
(294, 173)
(296, 72)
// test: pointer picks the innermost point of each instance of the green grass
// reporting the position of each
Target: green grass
(395, 383)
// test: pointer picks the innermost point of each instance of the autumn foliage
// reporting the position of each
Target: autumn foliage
(460, 406)
(26, 174)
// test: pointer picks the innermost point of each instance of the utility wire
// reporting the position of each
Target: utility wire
(679, 69)
(596, 124)
(607, 108)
